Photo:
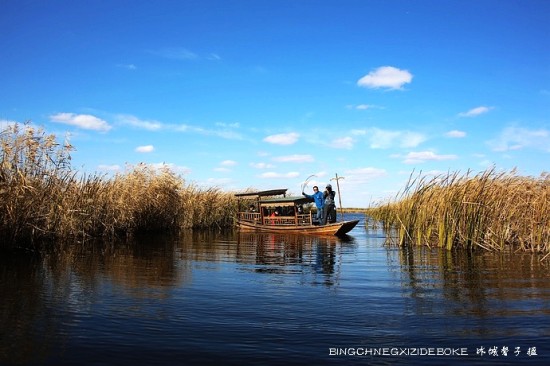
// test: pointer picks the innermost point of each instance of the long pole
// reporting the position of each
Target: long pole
(337, 179)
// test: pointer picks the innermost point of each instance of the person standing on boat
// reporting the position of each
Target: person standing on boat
(318, 198)
(329, 207)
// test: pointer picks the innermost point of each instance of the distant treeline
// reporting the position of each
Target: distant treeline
(490, 210)
(44, 200)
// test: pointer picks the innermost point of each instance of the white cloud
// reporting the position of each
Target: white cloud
(131, 67)
(363, 175)
(274, 175)
(423, 156)
(226, 131)
(381, 139)
(110, 168)
(283, 138)
(475, 111)
(516, 138)
(456, 134)
(139, 123)
(384, 139)
(364, 107)
(411, 139)
(261, 165)
(435, 173)
(222, 169)
(225, 166)
(228, 163)
(296, 158)
(228, 125)
(145, 149)
(224, 134)
(217, 182)
(4, 124)
(214, 57)
(84, 121)
(174, 168)
(386, 77)
(176, 53)
(343, 143)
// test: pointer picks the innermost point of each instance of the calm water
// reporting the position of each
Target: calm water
(273, 299)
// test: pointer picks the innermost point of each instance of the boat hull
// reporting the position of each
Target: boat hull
(337, 228)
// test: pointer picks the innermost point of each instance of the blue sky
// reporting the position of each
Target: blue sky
(262, 94)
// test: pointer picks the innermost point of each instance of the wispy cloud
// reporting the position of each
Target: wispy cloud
(84, 121)
(283, 138)
(274, 175)
(150, 125)
(4, 123)
(214, 57)
(184, 54)
(363, 175)
(173, 167)
(516, 138)
(130, 67)
(455, 134)
(474, 112)
(261, 165)
(176, 53)
(228, 163)
(145, 149)
(217, 182)
(222, 130)
(228, 125)
(385, 139)
(294, 159)
(424, 156)
(225, 133)
(387, 77)
(109, 168)
(363, 107)
(343, 143)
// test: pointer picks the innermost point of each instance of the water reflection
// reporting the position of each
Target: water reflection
(146, 267)
(290, 253)
(45, 297)
(22, 310)
(64, 306)
(267, 252)
(491, 287)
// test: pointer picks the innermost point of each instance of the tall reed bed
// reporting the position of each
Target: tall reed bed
(44, 199)
(489, 210)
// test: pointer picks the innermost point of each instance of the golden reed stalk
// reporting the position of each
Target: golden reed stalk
(44, 200)
(490, 210)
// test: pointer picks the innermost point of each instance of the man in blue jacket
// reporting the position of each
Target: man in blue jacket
(317, 196)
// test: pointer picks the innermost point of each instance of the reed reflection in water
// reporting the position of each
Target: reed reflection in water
(268, 298)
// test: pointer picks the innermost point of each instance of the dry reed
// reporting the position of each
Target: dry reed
(490, 210)
(45, 200)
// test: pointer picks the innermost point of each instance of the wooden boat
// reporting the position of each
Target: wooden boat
(272, 211)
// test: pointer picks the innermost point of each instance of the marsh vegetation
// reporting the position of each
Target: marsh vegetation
(45, 200)
(491, 210)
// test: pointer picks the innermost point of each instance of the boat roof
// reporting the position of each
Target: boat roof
(271, 192)
(275, 201)
(284, 201)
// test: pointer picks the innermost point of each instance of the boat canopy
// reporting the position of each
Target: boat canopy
(284, 201)
(271, 192)
(274, 201)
